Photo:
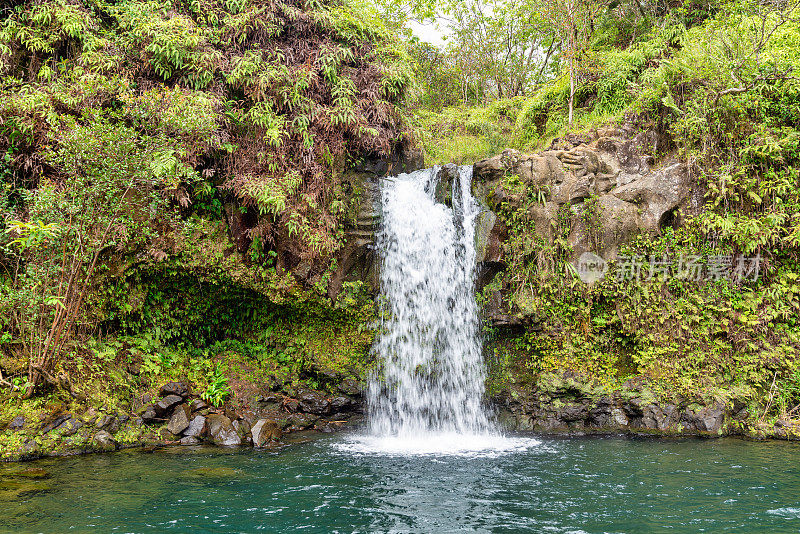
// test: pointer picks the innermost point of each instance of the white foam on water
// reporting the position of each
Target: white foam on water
(442, 444)
(788, 512)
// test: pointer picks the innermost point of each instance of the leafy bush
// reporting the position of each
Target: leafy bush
(120, 119)
(263, 97)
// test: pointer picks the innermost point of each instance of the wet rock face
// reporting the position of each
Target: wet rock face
(447, 175)
(709, 419)
(222, 432)
(606, 186)
(301, 421)
(313, 402)
(356, 260)
(563, 404)
(105, 441)
(350, 387)
(265, 431)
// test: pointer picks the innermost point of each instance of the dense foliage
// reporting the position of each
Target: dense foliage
(136, 135)
(124, 125)
(723, 93)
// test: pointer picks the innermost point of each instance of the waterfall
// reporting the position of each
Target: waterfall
(430, 379)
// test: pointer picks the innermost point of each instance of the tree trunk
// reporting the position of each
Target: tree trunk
(544, 63)
(571, 77)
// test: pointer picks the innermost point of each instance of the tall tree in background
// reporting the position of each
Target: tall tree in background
(573, 21)
(498, 48)
(439, 77)
(499, 44)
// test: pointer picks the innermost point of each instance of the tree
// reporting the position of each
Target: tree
(499, 44)
(573, 20)
(499, 48)
(438, 76)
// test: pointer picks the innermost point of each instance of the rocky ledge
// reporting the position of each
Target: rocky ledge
(566, 404)
(611, 171)
(178, 417)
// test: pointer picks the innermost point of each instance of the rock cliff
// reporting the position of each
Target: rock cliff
(607, 187)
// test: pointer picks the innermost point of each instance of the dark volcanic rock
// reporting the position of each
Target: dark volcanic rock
(301, 421)
(313, 402)
(104, 441)
(448, 175)
(196, 428)
(573, 412)
(17, 423)
(165, 405)
(350, 387)
(180, 419)
(149, 416)
(55, 423)
(291, 405)
(198, 404)
(70, 427)
(710, 419)
(180, 389)
(340, 404)
(265, 430)
(107, 422)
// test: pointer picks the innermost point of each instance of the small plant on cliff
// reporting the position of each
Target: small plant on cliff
(217, 389)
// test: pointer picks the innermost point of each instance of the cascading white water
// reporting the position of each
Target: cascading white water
(431, 376)
(426, 395)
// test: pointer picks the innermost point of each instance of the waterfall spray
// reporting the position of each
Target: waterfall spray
(431, 375)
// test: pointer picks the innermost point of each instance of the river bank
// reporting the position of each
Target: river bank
(258, 417)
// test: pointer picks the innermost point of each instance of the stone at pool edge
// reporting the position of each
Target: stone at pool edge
(180, 419)
(196, 428)
(104, 441)
(264, 431)
(243, 429)
(222, 432)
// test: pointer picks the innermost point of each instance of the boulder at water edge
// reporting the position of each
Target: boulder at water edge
(222, 432)
(180, 419)
(104, 441)
(197, 427)
(265, 430)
